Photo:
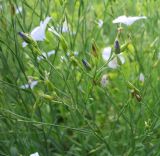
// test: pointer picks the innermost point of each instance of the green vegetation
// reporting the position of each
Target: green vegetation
(63, 95)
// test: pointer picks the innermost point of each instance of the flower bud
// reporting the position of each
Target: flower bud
(26, 37)
(33, 44)
(117, 46)
(86, 64)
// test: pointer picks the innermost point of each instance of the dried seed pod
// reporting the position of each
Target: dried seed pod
(136, 95)
(94, 49)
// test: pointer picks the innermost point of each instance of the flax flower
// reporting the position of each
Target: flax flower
(38, 33)
(106, 55)
(128, 20)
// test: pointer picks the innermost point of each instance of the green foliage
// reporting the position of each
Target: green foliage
(72, 108)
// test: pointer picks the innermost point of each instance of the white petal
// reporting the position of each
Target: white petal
(18, 10)
(29, 85)
(34, 154)
(33, 84)
(128, 20)
(141, 77)
(24, 44)
(113, 63)
(106, 53)
(100, 23)
(120, 19)
(121, 57)
(25, 86)
(45, 22)
(39, 58)
(131, 20)
(104, 80)
(65, 27)
(51, 53)
(38, 33)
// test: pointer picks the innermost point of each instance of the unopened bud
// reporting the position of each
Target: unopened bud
(33, 44)
(117, 46)
(86, 64)
(26, 37)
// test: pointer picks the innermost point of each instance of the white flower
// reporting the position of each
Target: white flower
(18, 10)
(100, 23)
(57, 29)
(39, 58)
(141, 77)
(121, 57)
(104, 80)
(65, 26)
(76, 53)
(106, 54)
(128, 20)
(31, 85)
(38, 33)
(34, 154)
(114, 63)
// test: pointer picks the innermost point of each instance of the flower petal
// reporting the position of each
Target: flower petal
(24, 44)
(34, 154)
(141, 77)
(104, 80)
(128, 20)
(39, 58)
(100, 23)
(121, 57)
(65, 27)
(38, 33)
(18, 10)
(106, 54)
(113, 63)
(29, 85)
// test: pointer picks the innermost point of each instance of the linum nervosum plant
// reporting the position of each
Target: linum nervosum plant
(93, 71)
(78, 82)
